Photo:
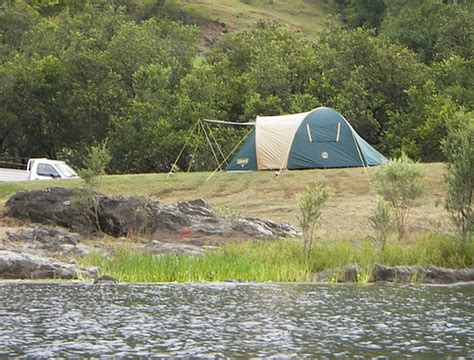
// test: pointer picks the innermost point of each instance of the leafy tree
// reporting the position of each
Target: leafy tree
(87, 201)
(454, 78)
(399, 183)
(365, 78)
(262, 67)
(458, 148)
(59, 91)
(433, 30)
(16, 19)
(365, 13)
(418, 128)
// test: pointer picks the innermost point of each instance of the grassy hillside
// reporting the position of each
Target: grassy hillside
(305, 15)
(263, 195)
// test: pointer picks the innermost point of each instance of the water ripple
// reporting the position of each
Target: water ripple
(235, 320)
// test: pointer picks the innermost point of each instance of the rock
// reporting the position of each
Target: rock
(16, 265)
(47, 238)
(106, 280)
(50, 206)
(158, 247)
(119, 216)
(428, 274)
(350, 273)
(402, 274)
(263, 228)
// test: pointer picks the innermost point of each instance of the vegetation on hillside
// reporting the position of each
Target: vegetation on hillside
(73, 73)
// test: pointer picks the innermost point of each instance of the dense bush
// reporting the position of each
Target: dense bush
(73, 73)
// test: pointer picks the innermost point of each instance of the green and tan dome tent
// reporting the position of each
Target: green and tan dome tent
(321, 138)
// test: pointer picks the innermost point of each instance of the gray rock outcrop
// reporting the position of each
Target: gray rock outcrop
(119, 216)
(16, 265)
(427, 274)
(46, 239)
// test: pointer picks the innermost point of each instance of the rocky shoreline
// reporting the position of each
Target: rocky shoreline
(424, 274)
(44, 232)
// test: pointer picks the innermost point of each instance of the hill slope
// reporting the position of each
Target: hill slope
(308, 16)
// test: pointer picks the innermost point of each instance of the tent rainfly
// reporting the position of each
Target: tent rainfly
(321, 138)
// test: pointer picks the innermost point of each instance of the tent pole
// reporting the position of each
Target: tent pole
(230, 153)
(192, 156)
(215, 141)
(210, 145)
(358, 151)
(283, 162)
(182, 149)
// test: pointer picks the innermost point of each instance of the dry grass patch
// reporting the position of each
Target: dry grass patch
(264, 195)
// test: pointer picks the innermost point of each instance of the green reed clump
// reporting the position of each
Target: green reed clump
(428, 249)
(277, 260)
(250, 261)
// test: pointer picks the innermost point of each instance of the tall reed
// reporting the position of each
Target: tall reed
(276, 260)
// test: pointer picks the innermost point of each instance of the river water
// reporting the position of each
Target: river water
(236, 320)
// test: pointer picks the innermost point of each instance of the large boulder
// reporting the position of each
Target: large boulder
(17, 265)
(190, 221)
(55, 206)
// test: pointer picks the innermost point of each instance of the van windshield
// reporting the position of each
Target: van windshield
(66, 170)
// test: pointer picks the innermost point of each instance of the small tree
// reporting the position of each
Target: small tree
(458, 148)
(382, 222)
(98, 157)
(310, 205)
(400, 183)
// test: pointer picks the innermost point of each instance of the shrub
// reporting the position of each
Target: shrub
(400, 183)
(458, 148)
(310, 205)
(97, 160)
(382, 222)
(98, 157)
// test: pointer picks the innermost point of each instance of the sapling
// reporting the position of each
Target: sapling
(381, 221)
(97, 159)
(310, 205)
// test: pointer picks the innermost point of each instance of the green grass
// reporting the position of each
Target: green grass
(308, 16)
(260, 261)
(277, 260)
(427, 249)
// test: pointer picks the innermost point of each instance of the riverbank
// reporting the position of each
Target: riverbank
(431, 258)
(55, 232)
